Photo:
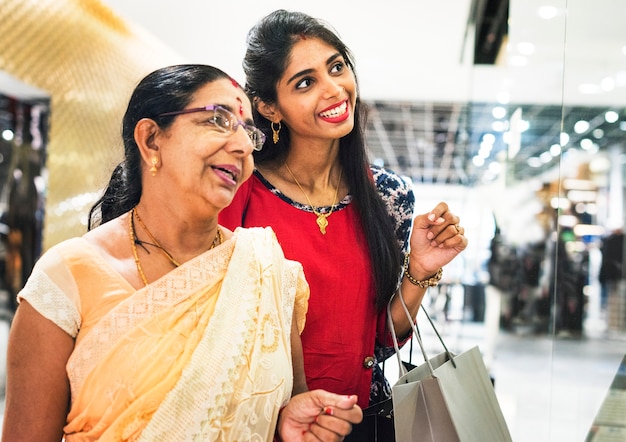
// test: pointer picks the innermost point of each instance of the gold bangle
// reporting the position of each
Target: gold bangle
(424, 283)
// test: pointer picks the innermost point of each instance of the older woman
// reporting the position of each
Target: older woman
(159, 324)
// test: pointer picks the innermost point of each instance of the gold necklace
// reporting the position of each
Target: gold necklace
(133, 242)
(167, 254)
(322, 218)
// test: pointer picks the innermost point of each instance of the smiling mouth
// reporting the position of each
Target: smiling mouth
(336, 111)
(228, 172)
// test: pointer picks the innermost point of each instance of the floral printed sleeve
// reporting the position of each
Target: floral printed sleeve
(397, 193)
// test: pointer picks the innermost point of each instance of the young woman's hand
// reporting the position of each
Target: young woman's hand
(436, 239)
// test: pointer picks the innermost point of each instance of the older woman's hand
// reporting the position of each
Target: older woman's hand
(436, 239)
(318, 415)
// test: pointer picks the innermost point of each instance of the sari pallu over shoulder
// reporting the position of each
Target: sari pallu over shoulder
(201, 354)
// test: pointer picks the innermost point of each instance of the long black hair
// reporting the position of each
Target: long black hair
(269, 47)
(167, 89)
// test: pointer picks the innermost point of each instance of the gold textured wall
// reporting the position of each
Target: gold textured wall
(88, 60)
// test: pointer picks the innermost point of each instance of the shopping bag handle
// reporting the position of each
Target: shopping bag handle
(450, 355)
(401, 369)
(416, 333)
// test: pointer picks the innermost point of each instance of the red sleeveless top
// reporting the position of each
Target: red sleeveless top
(343, 332)
(341, 323)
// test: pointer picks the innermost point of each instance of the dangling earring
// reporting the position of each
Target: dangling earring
(153, 169)
(275, 132)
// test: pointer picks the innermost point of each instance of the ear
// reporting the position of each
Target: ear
(146, 131)
(269, 111)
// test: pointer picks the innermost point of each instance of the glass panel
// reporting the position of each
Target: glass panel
(590, 227)
(23, 140)
(537, 175)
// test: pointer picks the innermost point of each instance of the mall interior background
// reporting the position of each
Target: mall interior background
(513, 112)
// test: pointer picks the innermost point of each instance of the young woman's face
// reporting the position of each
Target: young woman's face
(203, 164)
(316, 95)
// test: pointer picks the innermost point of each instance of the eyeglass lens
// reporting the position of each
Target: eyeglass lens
(226, 120)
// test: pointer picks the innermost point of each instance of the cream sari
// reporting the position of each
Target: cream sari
(201, 354)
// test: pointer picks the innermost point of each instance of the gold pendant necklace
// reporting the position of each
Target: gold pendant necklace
(134, 241)
(322, 218)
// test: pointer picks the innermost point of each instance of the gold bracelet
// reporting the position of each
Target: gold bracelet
(424, 283)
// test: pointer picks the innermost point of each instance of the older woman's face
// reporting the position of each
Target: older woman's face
(202, 164)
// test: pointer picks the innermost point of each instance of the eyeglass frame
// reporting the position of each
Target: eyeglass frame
(213, 107)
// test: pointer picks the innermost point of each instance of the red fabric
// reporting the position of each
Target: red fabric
(341, 322)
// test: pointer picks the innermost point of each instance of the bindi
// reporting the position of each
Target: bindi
(238, 86)
(240, 106)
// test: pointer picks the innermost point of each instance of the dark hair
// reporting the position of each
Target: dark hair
(269, 47)
(165, 90)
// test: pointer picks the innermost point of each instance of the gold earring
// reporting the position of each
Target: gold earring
(275, 132)
(153, 169)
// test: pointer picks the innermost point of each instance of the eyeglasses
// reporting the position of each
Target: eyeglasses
(226, 122)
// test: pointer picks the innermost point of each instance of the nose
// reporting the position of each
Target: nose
(239, 142)
(332, 88)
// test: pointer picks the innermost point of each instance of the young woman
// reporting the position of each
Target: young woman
(160, 324)
(348, 223)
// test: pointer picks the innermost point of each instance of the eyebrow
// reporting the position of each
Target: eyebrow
(329, 60)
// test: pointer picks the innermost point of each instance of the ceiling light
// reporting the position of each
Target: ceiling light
(495, 167)
(588, 145)
(599, 133)
(489, 138)
(611, 116)
(498, 112)
(523, 125)
(555, 150)
(478, 161)
(545, 157)
(485, 150)
(581, 126)
(564, 138)
(7, 134)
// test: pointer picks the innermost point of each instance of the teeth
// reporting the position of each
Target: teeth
(339, 110)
